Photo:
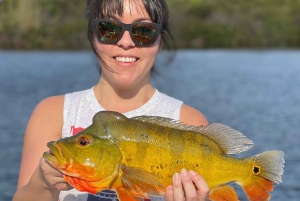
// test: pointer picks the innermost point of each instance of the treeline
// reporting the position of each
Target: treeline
(61, 24)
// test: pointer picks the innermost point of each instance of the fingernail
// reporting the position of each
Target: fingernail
(184, 172)
(193, 173)
(176, 176)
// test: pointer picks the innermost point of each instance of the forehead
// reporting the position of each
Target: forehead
(134, 8)
(121, 8)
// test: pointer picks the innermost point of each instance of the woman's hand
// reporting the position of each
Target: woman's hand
(46, 182)
(52, 177)
(183, 188)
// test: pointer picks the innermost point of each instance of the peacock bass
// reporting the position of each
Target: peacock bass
(138, 156)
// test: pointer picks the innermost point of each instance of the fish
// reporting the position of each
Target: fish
(137, 157)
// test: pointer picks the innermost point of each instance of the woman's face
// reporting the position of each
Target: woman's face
(131, 64)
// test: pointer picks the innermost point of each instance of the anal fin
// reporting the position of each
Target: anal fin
(223, 193)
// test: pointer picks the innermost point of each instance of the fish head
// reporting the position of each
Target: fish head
(85, 157)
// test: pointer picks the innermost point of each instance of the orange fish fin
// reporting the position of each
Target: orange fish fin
(141, 182)
(83, 185)
(79, 184)
(258, 189)
(123, 195)
(223, 193)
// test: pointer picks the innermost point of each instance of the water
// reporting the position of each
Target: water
(255, 92)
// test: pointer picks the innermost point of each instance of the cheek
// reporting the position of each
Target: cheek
(103, 51)
(151, 54)
(101, 48)
(152, 51)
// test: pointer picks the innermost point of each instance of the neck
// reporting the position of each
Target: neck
(122, 99)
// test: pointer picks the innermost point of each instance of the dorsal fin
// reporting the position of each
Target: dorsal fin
(229, 140)
(163, 121)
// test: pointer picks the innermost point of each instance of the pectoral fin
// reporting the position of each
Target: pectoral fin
(141, 182)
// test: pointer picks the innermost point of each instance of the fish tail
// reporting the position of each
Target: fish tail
(266, 170)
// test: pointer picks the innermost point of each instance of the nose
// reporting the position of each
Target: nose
(126, 41)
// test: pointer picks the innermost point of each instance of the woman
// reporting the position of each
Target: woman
(126, 36)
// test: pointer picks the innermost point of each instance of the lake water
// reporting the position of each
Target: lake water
(255, 92)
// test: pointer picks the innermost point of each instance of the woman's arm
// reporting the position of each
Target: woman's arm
(192, 116)
(37, 179)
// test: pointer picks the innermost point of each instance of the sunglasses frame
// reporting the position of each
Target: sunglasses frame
(128, 27)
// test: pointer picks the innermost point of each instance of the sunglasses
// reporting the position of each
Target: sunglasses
(142, 33)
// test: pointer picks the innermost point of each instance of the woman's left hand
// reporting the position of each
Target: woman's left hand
(183, 188)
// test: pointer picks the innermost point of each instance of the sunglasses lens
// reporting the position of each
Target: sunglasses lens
(109, 32)
(144, 34)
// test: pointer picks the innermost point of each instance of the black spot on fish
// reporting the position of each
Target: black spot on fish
(128, 160)
(256, 170)
(197, 165)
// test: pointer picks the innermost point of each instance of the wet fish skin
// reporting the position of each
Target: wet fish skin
(138, 156)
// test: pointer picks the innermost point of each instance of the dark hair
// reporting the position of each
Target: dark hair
(99, 9)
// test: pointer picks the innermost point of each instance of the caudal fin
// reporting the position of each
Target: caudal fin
(267, 170)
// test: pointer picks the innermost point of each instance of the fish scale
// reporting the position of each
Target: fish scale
(185, 153)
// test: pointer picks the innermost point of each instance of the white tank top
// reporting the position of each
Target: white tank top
(79, 109)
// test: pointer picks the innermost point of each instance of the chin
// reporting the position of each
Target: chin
(126, 80)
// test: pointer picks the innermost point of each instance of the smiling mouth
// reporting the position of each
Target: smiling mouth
(126, 59)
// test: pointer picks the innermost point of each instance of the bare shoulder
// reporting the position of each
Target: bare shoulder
(46, 120)
(192, 116)
(50, 108)
(45, 124)
(48, 112)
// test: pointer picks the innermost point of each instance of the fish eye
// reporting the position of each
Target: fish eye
(83, 141)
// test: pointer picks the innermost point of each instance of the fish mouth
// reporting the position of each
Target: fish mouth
(58, 157)
(54, 156)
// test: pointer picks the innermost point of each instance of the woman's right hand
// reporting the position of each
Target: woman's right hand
(52, 177)
(46, 182)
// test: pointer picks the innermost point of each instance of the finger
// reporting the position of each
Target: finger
(63, 186)
(188, 185)
(178, 193)
(48, 169)
(169, 193)
(53, 177)
(201, 185)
